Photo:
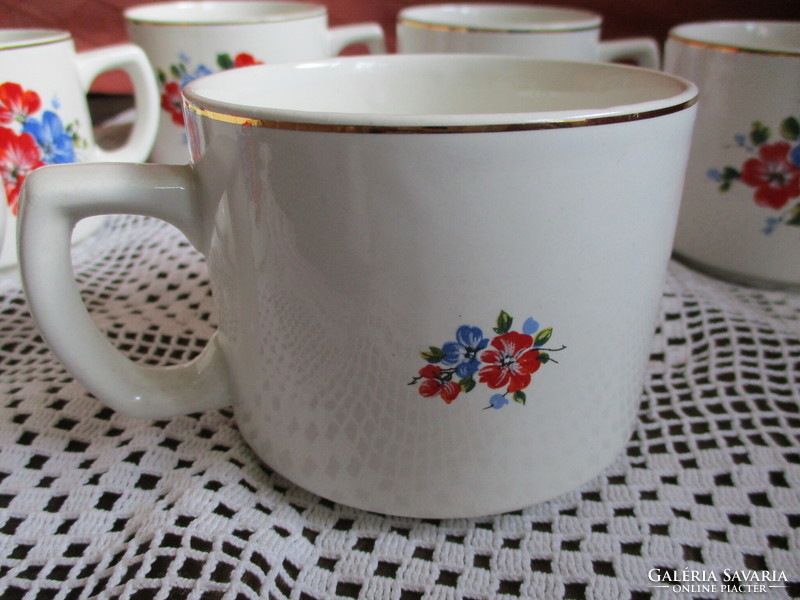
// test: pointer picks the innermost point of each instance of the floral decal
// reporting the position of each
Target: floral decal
(31, 138)
(505, 362)
(773, 171)
(182, 73)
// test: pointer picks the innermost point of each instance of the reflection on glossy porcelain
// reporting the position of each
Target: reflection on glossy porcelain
(44, 116)
(184, 70)
(342, 256)
(740, 212)
(334, 260)
(551, 32)
(188, 40)
(771, 167)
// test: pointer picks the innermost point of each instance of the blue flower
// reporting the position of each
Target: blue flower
(498, 401)
(200, 71)
(463, 353)
(530, 326)
(55, 143)
(794, 156)
(770, 225)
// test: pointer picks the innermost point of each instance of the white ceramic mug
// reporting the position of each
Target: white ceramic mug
(740, 218)
(3, 218)
(186, 40)
(527, 30)
(435, 301)
(44, 115)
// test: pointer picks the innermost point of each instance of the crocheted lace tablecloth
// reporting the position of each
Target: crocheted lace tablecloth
(704, 502)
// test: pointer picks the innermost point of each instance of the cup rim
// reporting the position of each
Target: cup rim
(712, 35)
(196, 99)
(24, 38)
(444, 17)
(169, 13)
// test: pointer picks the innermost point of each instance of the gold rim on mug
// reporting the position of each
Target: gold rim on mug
(492, 128)
(468, 29)
(33, 37)
(313, 11)
(733, 49)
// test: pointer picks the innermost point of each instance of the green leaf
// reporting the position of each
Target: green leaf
(504, 321)
(729, 173)
(794, 218)
(467, 384)
(162, 77)
(225, 61)
(759, 134)
(433, 355)
(176, 73)
(544, 357)
(790, 129)
(543, 337)
(520, 397)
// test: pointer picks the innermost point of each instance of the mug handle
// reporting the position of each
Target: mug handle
(134, 62)
(641, 51)
(55, 198)
(370, 34)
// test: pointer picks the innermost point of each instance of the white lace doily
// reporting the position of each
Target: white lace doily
(97, 505)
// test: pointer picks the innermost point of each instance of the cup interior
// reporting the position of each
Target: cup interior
(222, 12)
(19, 38)
(500, 17)
(757, 36)
(437, 91)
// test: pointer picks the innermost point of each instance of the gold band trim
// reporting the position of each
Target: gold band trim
(311, 11)
(492, 128)
(729, 48)
(467, 29)
(48, 37)
(260, 21)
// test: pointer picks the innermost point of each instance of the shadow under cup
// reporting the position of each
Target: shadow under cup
(438, 277)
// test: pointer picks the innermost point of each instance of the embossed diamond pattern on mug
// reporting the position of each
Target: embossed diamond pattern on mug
(97, 505)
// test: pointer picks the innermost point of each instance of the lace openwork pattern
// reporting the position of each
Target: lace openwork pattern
(95, 505)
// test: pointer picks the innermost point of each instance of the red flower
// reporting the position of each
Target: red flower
(436, 384)
(510, 361)
(16, 102)
(243, 59)
(19, 155)
(172, 102)
(775, 178)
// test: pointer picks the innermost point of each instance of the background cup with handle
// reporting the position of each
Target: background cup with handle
(740, 217)
(186, 40)
(528, 30)
(44, 115)
(435, 301)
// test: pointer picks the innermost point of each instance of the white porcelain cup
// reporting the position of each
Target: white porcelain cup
(435, 301)
(190, 39)
(44, 115)
(740, 218)
(528, 30)
(3, 218)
